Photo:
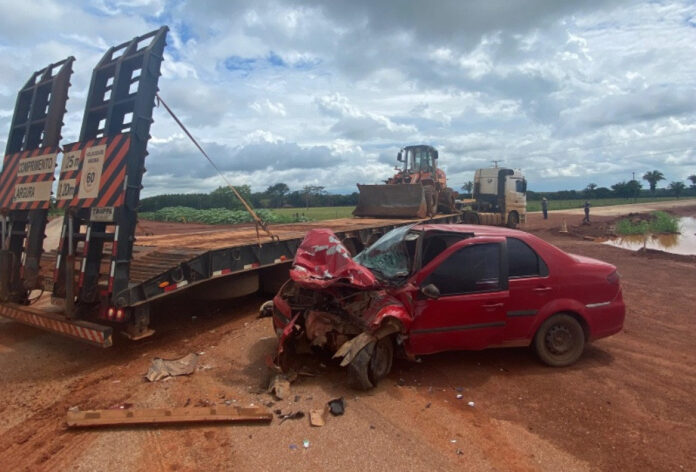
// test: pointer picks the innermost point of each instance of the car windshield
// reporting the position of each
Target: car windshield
(388, 257)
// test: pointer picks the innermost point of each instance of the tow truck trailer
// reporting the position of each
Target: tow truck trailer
(99, 279)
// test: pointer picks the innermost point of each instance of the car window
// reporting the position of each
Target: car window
(523, 261)
(470, 269)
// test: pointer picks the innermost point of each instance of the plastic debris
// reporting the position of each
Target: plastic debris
(279, 386)
(305, 443)
(163, 368)
(293, 415)
(471, 404)
(317, 417)
(337, 406)
(293, 447)
(459, 396)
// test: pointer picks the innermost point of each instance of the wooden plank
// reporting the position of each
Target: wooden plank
(78, 418)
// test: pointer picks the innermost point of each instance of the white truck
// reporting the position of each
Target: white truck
(499, 198)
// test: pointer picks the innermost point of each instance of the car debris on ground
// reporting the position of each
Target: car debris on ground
(317, 417)
(337, 406)
(163, 368)
(279, 386)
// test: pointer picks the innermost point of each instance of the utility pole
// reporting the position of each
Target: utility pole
(495, 163)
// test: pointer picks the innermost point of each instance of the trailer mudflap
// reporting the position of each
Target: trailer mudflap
(92, 333)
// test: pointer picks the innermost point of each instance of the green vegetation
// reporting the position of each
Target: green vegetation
(222, 216)
(317, 213)
(213, 216)
(659, 222)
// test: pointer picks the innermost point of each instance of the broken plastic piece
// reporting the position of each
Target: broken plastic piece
(317, 417)
(337, 406)
(296, 415)
(163, 368)
(279, 386)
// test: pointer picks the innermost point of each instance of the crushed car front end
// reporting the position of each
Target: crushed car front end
(333, 305)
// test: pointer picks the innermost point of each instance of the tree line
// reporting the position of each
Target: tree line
(275, 196)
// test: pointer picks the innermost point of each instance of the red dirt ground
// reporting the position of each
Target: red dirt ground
(626, 405)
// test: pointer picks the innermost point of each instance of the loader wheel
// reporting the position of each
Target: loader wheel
(446, 201)
(431, 196)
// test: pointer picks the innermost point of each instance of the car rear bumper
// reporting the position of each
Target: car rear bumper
(607, 319)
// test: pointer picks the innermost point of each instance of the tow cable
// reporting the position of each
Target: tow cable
(258, 222)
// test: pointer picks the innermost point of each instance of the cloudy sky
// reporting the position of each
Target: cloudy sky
(325, 93)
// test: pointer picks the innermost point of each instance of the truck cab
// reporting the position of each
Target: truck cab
(503, 191)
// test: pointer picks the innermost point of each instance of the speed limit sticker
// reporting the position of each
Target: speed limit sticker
(91, 171)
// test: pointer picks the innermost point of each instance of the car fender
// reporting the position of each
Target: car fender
(384, 307)
(559, 305)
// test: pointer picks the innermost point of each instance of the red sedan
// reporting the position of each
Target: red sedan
(423, 289)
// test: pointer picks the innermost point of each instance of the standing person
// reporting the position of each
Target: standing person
(586, 220)
(545, 208)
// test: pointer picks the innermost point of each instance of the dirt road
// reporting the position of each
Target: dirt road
(626, 405)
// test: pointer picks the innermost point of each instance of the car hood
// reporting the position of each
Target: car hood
(322, 261)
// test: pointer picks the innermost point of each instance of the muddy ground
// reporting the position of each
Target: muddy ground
(626, 405)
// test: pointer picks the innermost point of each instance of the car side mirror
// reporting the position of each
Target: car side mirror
(431, 291)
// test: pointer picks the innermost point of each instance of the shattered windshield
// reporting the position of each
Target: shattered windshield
(388, 257)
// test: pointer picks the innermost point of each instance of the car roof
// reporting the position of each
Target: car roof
(476, 230)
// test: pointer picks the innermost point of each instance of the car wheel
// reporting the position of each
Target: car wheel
(372, 364)
(358, 369)
(381, 360)
(560, 340)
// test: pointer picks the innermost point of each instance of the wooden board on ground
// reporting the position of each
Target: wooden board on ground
(78, 418)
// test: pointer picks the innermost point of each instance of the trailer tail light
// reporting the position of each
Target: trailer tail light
(119, 314)
(613, 278)
(110, 313)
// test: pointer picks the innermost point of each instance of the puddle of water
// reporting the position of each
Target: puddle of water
(684, 243)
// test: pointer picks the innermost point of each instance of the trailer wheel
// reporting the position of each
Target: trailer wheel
(470, 218)
(513, 220)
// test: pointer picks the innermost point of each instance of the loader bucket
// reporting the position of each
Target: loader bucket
(387, 201)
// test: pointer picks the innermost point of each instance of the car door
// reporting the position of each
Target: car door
(530, 287)
(469, 313)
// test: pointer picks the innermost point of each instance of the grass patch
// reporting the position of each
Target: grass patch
(658, 222)
(664, 223)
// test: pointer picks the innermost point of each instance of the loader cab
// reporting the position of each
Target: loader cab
(417, 159)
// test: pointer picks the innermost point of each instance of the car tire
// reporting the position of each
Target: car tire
(560, 340)
(359, 369)
(372, 364)
(381, 360)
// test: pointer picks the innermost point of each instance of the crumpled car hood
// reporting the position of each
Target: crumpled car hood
(322, 261)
